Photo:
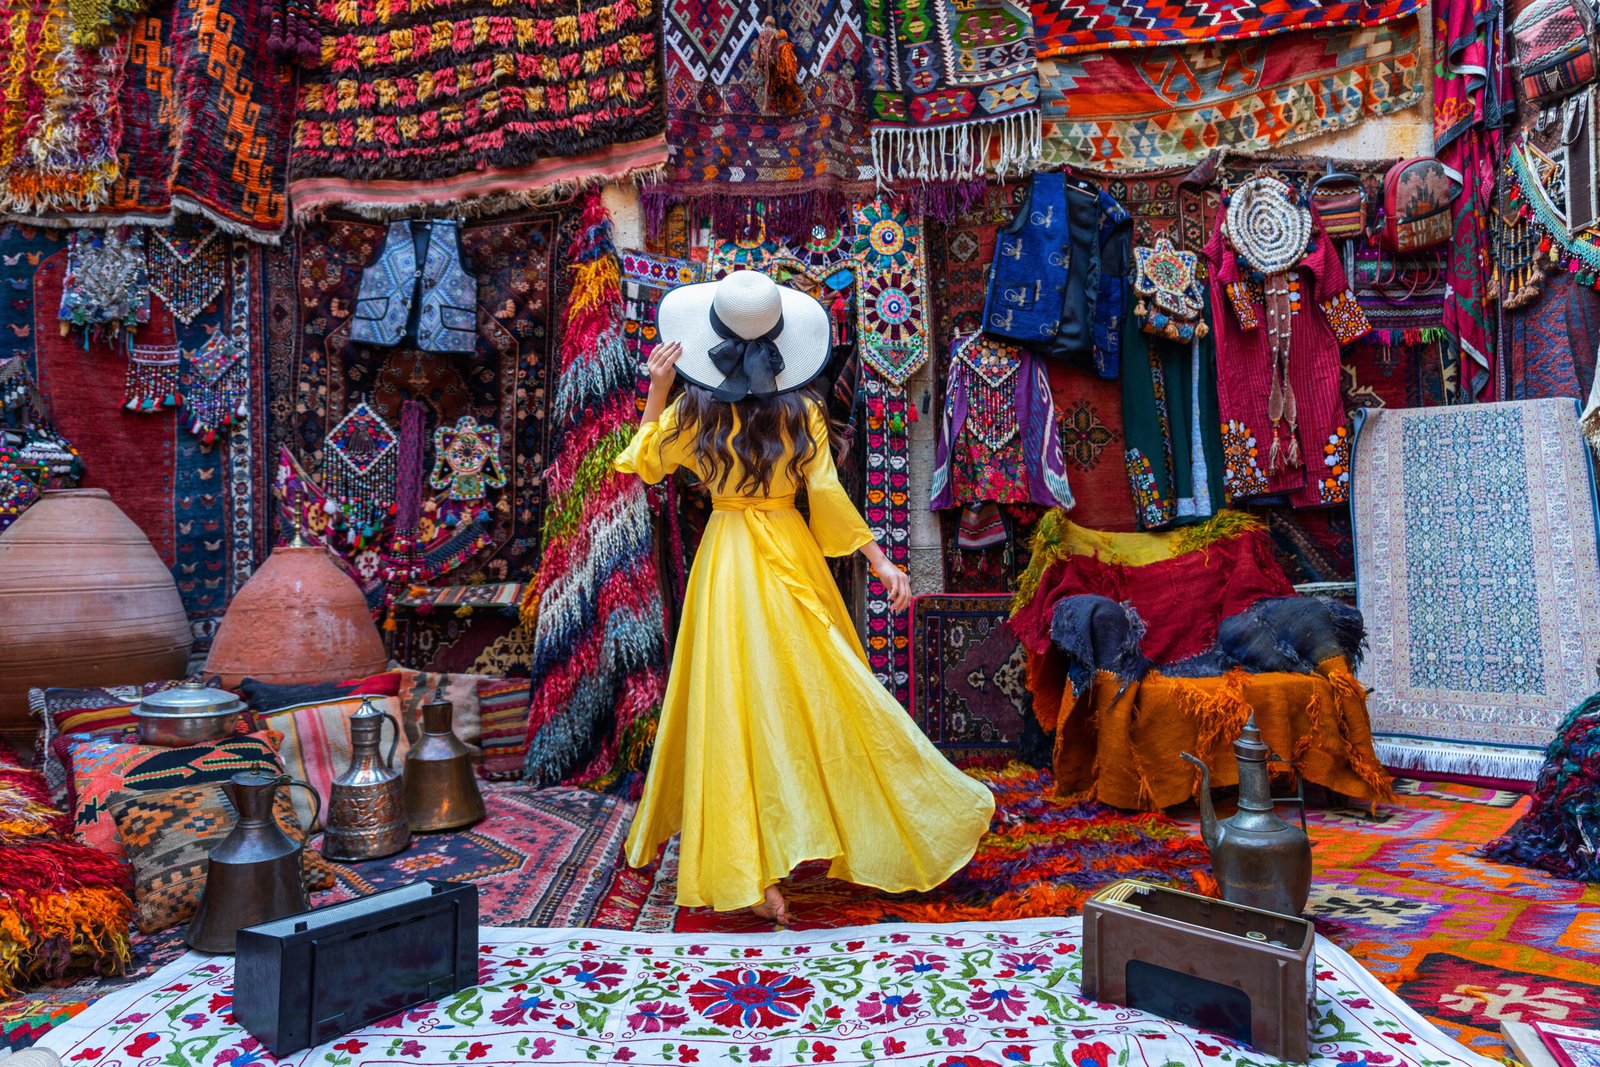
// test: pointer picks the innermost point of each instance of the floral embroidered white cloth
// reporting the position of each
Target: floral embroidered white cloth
(959, 995)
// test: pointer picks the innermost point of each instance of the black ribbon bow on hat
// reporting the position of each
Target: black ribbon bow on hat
(751, 365)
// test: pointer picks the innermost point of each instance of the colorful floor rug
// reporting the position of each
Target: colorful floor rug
(969, 681)
(1042, 856)
(961, 995)
(1467, 942)
(1478, 576)
(1160, 107)
(442, 91)
(729, 146)
(1063, 27)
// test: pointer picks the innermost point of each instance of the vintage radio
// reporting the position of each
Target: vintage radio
(309, 978)
(1246, 974)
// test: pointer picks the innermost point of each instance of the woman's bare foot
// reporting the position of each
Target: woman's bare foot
(774, 908)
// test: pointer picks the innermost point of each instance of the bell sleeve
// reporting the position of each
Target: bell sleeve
(835, 522)
(655, 451)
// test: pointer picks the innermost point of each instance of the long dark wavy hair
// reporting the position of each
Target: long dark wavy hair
(752, 434)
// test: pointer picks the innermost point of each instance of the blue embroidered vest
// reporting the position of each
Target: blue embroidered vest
(446, 315)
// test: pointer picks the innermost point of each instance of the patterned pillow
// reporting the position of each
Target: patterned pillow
(102, 712)
(504, 705)
(266, 698)
(106, 772)
(461, 690)
(316, 745)
(169, 836)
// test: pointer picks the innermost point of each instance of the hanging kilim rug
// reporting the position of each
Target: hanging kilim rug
(1477, 574)
(1174, 105)
(954, 89)
(960, 995)
(456, 100)
(1063, 27)
(599, 652)
(733, 141)
(59, 114)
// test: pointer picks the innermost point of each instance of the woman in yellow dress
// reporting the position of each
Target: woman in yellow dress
(777, 745)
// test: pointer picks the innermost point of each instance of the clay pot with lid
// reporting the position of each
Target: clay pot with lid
(86, 601)
(298, 620)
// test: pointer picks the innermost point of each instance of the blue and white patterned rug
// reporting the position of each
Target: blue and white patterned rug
(1477, 572)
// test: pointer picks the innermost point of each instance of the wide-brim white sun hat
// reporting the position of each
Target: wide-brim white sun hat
(746, 335)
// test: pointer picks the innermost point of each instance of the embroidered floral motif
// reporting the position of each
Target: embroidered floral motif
(1334, 481)
(1241, 474)
(1151, 510)
(1083, 435)
(1344, 314)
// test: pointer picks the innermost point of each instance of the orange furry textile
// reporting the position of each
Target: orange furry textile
(1120, 742)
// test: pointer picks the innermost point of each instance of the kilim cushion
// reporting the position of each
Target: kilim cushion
(169, 837)
(316, 745)
(102, 712)
(504, 706)
(107, 772)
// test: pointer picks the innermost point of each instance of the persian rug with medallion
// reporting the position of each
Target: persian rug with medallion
(317, 374)
(957, 995)
(969, 679)
(1475, 535)
(1148, 108)
(474, 100)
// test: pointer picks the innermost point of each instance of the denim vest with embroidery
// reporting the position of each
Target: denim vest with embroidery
(446, 317)
(1056, 284)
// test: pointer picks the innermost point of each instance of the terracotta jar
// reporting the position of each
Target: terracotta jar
(86, 601)
(299, 619)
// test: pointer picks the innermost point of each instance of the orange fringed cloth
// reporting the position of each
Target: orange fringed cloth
(1119, 741)
(63, 905)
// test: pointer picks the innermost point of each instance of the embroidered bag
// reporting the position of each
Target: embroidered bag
(1554, 47)
(1341, 205)
(1416, 205)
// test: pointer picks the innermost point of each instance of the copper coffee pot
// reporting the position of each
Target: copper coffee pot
(1260, 860)
(254, 875)
(366, 804)
(440, 785)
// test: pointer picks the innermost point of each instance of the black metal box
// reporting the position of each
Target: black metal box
(312, 977)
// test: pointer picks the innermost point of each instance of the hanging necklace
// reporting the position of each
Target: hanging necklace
(360, 467)
(188, 280)
(1270, 231)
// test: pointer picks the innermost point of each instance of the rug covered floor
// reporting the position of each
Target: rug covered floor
(1042, 856)
(1467, 942)
(961, 995)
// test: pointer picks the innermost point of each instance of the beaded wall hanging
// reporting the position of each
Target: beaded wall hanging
(467, 460)
(991, 389)
(153, 380)
(1270, 229)
(890, 299)
(17, 490)
(216, 388)
(106, 288)
(188, 273)
(1170, 302)
(1536, 191)
(360, 467)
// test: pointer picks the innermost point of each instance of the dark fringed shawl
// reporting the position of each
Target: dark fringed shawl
(599, 653)
(1561, 832)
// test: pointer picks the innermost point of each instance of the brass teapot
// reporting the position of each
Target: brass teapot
(441, 786)
(366, 804)
(254, 875)
(1260, 860)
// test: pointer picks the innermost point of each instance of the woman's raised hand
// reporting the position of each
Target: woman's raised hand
(662, 365)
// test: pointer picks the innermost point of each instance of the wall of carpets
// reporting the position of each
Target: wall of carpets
(281, 268)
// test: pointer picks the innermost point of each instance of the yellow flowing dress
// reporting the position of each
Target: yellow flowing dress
(777, 744)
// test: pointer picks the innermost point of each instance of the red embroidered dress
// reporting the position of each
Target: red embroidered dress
(1324, 316)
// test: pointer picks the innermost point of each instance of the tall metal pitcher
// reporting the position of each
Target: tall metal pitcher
(366, 804)
(254, 875)
(441, 788)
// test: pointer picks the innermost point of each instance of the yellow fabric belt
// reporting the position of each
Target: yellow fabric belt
(766, 540)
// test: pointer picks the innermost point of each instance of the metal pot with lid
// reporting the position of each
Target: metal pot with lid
(191, 714)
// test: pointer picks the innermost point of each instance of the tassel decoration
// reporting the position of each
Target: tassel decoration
(775, 59)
